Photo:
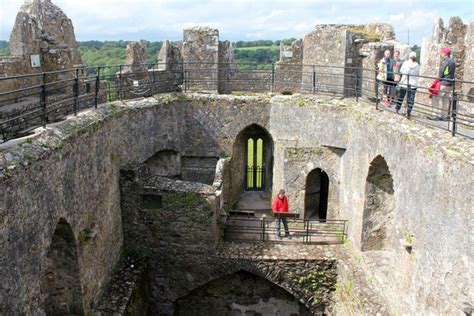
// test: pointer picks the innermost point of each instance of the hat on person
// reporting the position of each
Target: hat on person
(446, 50)
(412, 55)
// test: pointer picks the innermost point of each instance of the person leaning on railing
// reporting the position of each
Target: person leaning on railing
(446, 76)
(410, 71)
(280, 205)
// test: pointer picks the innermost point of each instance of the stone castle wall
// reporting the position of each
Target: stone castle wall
(76, 165)
(426, 205)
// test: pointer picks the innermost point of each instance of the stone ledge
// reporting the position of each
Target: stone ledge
(26, 150)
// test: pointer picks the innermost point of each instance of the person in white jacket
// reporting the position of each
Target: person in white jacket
(410, 71)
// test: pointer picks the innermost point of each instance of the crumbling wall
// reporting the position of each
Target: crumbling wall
(201, 56)
(226, 67)
(42, 28)
(453, 37)
(336, 52)
(135, 58)
(468, 71)
(288, 70)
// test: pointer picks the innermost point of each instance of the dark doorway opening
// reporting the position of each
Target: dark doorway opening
(377, 225)
(243, 294)
(316, 195)
(61, 283)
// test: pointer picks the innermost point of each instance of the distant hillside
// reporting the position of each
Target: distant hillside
(102, 53)
(249, 54)
(4, 49)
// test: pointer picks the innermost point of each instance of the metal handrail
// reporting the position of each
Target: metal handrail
(253, 229)
(109, 83)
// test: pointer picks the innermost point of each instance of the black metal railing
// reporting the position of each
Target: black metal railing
(253, 229)
(255, 178)
(33, 100)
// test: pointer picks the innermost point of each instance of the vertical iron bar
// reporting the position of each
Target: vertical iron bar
(307, 230)
(273, 78)
(263, 228)
(76, 91)
(408, 95)
(43, 99)
(376, 85)
(97, 87)
(454, 110)
(357, 84)
(120, 83)
(185, 77)
(153, 87)
(314, 79)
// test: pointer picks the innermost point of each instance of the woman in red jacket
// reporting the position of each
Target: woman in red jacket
(280, 205)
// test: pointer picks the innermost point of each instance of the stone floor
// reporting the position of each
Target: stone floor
(254, 200)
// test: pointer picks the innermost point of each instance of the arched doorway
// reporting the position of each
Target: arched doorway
(316, 195)
(377, 223)
(61, 284)
(240, 293)
(252, 160)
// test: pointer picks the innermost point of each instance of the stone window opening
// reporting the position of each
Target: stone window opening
(316, 195)
(255, 164)
(61, 284)
(377, 222)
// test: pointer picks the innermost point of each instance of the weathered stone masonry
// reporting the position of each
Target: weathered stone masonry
(76, 164)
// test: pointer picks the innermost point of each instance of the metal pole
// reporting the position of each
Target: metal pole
(307, 230)
(153, 88)
(357, 84)
(454, 111)
(43, 99)
(185, 78)
(273, 78)
(314, 79)
(120, 83)
(97, 87)
(408, 94)
(76, 91)
(263, 228)
(376, 84)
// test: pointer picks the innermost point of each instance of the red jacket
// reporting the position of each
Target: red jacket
(280, 205)
(434, 88)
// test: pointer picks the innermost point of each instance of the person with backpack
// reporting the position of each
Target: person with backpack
(440, 102)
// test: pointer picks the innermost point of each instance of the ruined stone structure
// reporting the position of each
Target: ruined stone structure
(344, 139)
(43, 33)
(134, 195)
(460, 42)
(289, 69)
(135, 58)
(209, 61)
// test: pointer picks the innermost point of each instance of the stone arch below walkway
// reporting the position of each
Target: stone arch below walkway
(61, 283)
(377, 222)
(240, 293)
(311, 282)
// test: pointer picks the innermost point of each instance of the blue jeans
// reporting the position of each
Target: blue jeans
(285, 224)
(410, 98)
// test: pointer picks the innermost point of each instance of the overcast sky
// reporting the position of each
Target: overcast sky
(241, 19)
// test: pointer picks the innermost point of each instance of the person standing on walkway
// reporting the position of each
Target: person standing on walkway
(446, 76)
(280, 205)
(408, 83)
(386, 75)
